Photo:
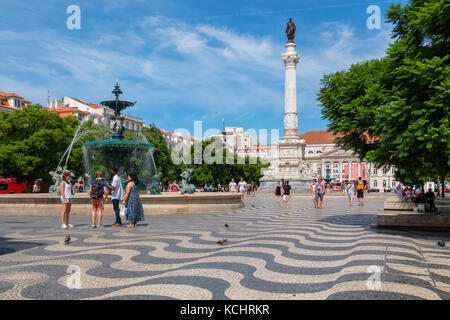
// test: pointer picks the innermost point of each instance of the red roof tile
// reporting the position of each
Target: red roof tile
(318, 137)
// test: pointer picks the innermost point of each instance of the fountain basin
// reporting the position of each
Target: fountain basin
(166, 203)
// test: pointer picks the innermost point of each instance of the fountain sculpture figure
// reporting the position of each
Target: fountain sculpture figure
(185, 186)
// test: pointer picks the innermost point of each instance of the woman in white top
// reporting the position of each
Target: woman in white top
(351, 192)
(66, 200)
(313, 191)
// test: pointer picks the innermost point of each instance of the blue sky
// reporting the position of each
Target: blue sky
(183, 61)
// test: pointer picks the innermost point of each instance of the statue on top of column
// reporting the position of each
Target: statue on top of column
(290, 31)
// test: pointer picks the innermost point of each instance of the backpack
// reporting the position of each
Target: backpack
(96, 190)
(360, 185)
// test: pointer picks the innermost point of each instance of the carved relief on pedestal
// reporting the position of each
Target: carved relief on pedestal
(306, 171)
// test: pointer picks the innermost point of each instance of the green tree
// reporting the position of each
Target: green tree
(162, 155)
(224, 166)
(32, 141)
(395, 110)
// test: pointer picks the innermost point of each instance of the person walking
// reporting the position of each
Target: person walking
(254, 188)
(249, 189)
(132, 201)
(360, 191)
(66, 199)
(242, 187)
(287, 193)
(351, 192)
(278, 192)
(116, 195)
(313, 191)
(98, 191)
(320, 192)
(232, 186)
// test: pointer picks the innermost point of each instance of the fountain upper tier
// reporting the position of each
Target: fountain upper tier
(126, 156)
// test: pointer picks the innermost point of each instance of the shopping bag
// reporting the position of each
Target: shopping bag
(123, 212)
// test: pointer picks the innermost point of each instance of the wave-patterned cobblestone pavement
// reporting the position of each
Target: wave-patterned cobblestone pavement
(271, 253)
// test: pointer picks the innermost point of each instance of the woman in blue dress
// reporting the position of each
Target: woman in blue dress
(132, 201)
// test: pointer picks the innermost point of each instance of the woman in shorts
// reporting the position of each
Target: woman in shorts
(278, 192)
(66, 199)
(351, 192)
(313, 192)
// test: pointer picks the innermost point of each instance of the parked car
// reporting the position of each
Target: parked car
(373, 190)
(199, 189)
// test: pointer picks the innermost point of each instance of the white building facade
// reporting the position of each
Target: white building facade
(10, 102)
(176, 141)
(235, 138)
(331, 162)
(85, 111)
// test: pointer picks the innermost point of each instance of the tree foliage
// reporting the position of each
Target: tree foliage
(395, 110)
(224, 166)
(163, 161)
(32, 141)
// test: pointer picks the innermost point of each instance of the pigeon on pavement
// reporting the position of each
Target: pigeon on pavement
(221, 242)
(67, 239)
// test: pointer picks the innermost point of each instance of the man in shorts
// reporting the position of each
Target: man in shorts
(97, 191)
(360, 191)
(320, 191)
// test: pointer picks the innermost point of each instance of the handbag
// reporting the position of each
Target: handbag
(123, 212)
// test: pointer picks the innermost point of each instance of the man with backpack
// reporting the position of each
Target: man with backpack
(360, 191)
(97, 191)
(320, 191)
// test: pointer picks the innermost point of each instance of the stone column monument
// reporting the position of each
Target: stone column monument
(288, 155)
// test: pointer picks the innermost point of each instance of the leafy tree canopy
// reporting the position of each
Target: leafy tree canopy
(395, 110)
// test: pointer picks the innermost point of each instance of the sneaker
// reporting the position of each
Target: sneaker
(99, 226)
(93, 226)
(70, 225)
(64, 226)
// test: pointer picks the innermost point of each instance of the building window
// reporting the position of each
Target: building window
(374, 170)
(17, 103)
(319, 151)
(384, 171)
(375, 183)
(393, 184)
(393, 170)
(384, 183)
(319, 171)
(309, 152)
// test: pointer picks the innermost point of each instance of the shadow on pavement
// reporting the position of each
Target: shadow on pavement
(8, 246)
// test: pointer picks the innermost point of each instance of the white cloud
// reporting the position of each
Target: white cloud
(174, 64)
